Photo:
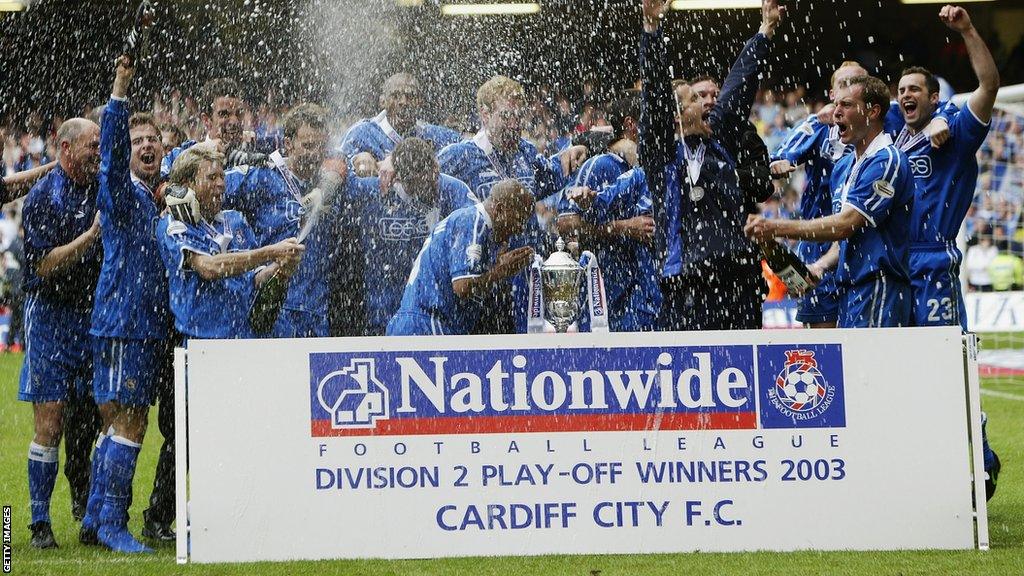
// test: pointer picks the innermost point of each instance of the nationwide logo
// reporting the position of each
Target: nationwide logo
(353, 396)
(560, 390)
(597, 281)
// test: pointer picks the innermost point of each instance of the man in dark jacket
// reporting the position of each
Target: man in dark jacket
(711, 273)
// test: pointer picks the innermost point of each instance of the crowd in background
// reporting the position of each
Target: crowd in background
(994, 225)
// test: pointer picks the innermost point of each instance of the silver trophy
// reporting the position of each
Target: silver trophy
(561, 276)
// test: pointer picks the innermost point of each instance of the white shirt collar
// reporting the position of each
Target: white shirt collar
(483, 141)
(880, 141)
(483, 212)
(139, 181)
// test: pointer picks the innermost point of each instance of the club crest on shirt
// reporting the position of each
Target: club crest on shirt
(883, 189)
(293, 211)
(474, 252)
(176, 227)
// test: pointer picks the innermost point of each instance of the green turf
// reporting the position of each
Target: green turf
(1001, 340)
(1006, 522)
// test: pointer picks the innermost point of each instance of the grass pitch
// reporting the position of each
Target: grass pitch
(1006, 524)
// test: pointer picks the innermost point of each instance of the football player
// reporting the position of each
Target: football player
(131, 321)
(63, 257)
(394, 223)
(499, 152)
(371, 140)
(293, 197)
(213, 262)
(872, 196)
(462, 260)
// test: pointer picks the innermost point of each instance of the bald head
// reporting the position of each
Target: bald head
(78, 149)
(510, 206)
(400, 81)
(73, 129)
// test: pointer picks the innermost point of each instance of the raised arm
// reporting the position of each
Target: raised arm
(983, 98)
(657, 144)
(18, 184)
(740, 86)
(115, 196)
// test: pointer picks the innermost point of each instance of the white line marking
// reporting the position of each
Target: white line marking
(1006, 395)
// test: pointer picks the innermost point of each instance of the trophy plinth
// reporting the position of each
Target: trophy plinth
(561, 276)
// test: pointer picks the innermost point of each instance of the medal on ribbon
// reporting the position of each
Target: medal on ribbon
(694, 163)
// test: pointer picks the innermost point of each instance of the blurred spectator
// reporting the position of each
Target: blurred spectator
(34, 153)
(12, 261)
(172, 136)
(1006, 271)
(977, 261)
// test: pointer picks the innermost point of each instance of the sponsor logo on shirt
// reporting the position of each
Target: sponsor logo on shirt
(399, 229)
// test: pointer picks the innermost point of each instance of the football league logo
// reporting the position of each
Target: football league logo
(800, 386)
(800, 393)
(353, 396)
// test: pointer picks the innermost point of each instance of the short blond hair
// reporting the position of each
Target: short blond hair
(186, 165)
(845, 64)
(498, 88)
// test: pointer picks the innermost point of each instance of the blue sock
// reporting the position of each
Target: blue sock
(987, 453)
(121, 457)
(42, 475)
(98, 484)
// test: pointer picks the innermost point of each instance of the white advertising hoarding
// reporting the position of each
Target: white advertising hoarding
(580, 443)
(995, 311)
(986, 312)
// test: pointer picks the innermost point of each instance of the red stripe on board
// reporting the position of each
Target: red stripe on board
(986, 370)
(534, 423)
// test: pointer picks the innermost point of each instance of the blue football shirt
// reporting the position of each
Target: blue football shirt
(208, 308)
(881, 187)
(393, 227)
(56, 211)
(271, 199)
(377, 136)
(459, 247)
(131, 294)
(946, 177)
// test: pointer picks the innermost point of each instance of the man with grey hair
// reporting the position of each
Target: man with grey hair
(372, 140)
(63, 263)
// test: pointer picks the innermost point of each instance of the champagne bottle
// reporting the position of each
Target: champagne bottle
(788, 267)
(138, 36)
